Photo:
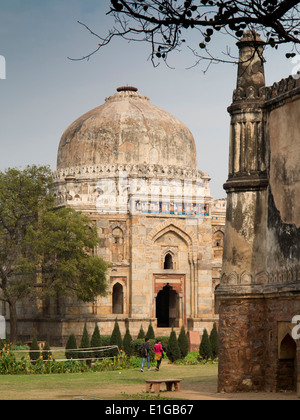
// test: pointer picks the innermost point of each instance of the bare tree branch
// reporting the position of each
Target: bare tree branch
(164, 23)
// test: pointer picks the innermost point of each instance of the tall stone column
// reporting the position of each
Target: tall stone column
(245, 235)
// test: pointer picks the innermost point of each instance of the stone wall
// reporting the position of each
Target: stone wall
(259, 292)
(252, 330)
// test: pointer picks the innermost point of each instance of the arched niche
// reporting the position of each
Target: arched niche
(118, 299)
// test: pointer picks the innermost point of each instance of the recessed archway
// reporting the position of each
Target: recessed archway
(167, 308)
(168, 264)
(287, 365)
(118, 299)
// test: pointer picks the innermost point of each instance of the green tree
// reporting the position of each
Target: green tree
(116, 338)
(214, 341)
(71, 348)
(173, 351)
(66, 242)
(24, 194)
(127, 342)
(150, 332)
(96, 341)
(205, 346)
(183, 343)
(34, 352)
(141, 333)
(85, 344)
(37, 238)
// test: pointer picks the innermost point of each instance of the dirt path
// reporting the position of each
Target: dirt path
(206, 390)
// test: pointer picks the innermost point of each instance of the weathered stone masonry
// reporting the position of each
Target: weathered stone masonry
(259, 292)
(132, 168)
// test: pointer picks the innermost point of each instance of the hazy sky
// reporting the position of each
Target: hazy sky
(44, 92)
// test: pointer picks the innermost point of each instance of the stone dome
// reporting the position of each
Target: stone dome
(127, 129)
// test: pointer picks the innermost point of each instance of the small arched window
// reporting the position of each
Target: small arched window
(219, 239)
(117, 245)
(168, 264)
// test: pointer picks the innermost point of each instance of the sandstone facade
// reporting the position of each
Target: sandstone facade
(132, 168)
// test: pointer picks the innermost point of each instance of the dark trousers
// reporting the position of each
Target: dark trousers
(158, 364)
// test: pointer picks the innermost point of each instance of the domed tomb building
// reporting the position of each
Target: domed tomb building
(132, 168)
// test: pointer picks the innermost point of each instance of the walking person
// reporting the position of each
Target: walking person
(158, 350)
(145, 352)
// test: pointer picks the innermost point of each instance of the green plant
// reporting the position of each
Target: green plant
(164, 339)
(96, 342)
(205, 346)
(71, 348)
(116, 339)
(34, 352)
(127, 342)
(141, 333)
(46, 354)
(183, 343)
(105, 341)
(150, 332)
(84, 344)
(136, 345)
(173, 351)
(214, 341)
(18, 347)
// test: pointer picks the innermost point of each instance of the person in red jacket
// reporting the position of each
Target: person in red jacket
(158, 350)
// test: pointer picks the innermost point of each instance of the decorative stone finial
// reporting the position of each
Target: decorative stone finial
(127, 89)
(251, 77)
(250, 37)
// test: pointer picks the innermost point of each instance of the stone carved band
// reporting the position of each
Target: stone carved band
(111, 171)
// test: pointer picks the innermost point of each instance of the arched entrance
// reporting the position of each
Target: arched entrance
(167, 308)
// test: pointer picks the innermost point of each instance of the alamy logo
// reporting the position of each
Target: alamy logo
(2, 67)
(296, 329)
(139, 196)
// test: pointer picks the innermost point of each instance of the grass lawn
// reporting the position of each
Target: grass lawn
(118, 385)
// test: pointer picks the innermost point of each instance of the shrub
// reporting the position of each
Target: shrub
(116, 339)
(141, 334)
(127, 342)
(71, 345)
(136, 345)
(46, 352)
(96, 342)
(150, 332)
(34, 352)
(105, 341)
(183, 343)
(84, 344)
(164, 339)
(173, 351)
(9, 365)
(205, 346)
(214, 342)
